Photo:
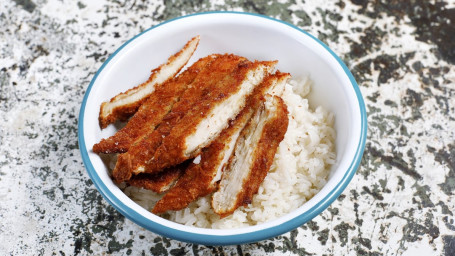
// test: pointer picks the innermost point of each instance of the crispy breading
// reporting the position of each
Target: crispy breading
(142, 149)
(125, 104)
(151, 113)
(201, 178)
(252, 158)
(205, 121)
(159, 182)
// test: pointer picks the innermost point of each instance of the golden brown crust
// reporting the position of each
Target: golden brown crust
(142, 150)
(151, 113)
(198, 180)
(123, 112)
(193, 184)
(271, 137)
(261, 159)
(126, 110)
(172, 150)
(265, 87)
(159, 182)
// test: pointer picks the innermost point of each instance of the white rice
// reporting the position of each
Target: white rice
(299, 170)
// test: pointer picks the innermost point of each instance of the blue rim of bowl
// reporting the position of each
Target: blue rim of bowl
(237, 238)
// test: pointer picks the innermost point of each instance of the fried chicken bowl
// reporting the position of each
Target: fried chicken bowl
(222, 128)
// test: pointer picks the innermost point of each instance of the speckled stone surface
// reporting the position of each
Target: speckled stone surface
(401, 202)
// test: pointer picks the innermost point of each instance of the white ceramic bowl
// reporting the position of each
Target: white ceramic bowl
(252, 36)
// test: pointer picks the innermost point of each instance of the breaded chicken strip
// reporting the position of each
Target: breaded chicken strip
(200, 179)
(252, 158)
(125, 104)
(143, 148)
(159, 182)
(202, 124)
(151, 113)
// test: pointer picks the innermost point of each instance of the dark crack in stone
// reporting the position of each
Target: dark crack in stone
(27, 5)
(395, 161)
(449, 245)
(447, 158)
(433, 22)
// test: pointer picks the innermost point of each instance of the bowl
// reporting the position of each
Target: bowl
(255, 37)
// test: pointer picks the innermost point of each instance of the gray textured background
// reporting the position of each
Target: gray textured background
(401, 202)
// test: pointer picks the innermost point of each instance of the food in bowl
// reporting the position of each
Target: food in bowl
(125, 104)
(244, 133)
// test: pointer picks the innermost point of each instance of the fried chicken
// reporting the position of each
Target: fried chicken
(143, 149)
(253, 155)
(125, 104)
(159, 182)
(201, 178)
(205, 121)
(152, 112)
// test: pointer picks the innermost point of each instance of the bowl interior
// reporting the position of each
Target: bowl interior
(251, 36)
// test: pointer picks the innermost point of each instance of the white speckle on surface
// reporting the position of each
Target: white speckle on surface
(197, 160)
